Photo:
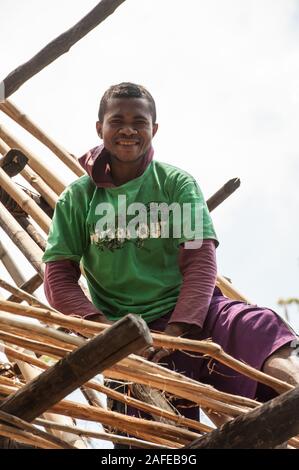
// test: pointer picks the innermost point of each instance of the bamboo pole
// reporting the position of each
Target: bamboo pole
(119, 340)
(101, 435)
(4, 148)
(159, 433)
(141, 428)
(58, 46)
(166, 380)
(22, 240)
(24, 437)
(78, 412)
(128, 400)
(33, 179)
(35, 346)
(34, 161)
(209, 348)
(29, 286)
(32, 231)
(39, 185)
(23, 295)
(9, 108)
(25, 202)
(23, 425)
(229, 290)
(169, 380)
(10, 265)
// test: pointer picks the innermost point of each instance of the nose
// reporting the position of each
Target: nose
(127, 130)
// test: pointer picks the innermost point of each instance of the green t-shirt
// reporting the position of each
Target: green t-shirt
(131, 265)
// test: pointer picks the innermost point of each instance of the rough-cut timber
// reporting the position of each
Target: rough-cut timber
(59, 46)
(223, 193)
(126, 336)
(266, 427)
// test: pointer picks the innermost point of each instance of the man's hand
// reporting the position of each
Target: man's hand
(177, 329)
(157, 354)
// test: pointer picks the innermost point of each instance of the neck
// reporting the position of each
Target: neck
(122, 172)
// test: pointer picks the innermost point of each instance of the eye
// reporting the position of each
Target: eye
(140, 123)
(115, 121)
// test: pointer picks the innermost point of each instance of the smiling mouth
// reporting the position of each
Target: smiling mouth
(127, 143)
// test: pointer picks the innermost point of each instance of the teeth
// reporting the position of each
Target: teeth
(126, 143)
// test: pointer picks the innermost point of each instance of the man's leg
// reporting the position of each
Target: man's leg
(284, 364)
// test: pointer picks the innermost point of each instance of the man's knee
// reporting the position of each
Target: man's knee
(284, 363)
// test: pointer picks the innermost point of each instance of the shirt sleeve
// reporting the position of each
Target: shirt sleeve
(195, 222)
(68, 237)
(199, 271)
(63, 291)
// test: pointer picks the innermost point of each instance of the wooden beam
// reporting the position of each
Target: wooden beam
(128, 335)
(51, 179)
(29, 286)
(223, 193)
(32, 231)
(22, 240)
(58, 46)
(9, 108)
(265, 427)
(11, 266)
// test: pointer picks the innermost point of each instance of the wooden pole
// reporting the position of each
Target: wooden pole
(10, 265)
(34, 161)
(22, 240)
(30, 373)
(29, 286)
(32, 231)
(59, 46)
(265, 427)
(23, 295)
(126, 399)
(24, 201)
(23, 425)
(128, 335)
(9, 108)
(208, 348)
(28, 174)
(39, 185)
(223, 193)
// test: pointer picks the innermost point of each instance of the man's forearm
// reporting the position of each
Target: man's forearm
(64, 293)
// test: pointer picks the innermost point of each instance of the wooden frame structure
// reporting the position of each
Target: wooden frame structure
(66, 361)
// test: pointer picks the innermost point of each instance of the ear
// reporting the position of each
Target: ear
(99, 127)
(155, 128)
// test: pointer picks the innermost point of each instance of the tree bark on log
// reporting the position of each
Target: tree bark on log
(126, 336)
(223, 193)
(59, 46)
(265, 427)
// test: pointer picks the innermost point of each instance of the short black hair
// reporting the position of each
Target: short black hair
(126, 90)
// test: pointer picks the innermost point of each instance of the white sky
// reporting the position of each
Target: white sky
(225, 76)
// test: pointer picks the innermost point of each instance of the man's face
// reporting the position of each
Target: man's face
(127, 128)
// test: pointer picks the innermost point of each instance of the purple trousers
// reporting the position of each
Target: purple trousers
(247, 332)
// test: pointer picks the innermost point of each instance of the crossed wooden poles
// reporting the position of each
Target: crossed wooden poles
(266, 426)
